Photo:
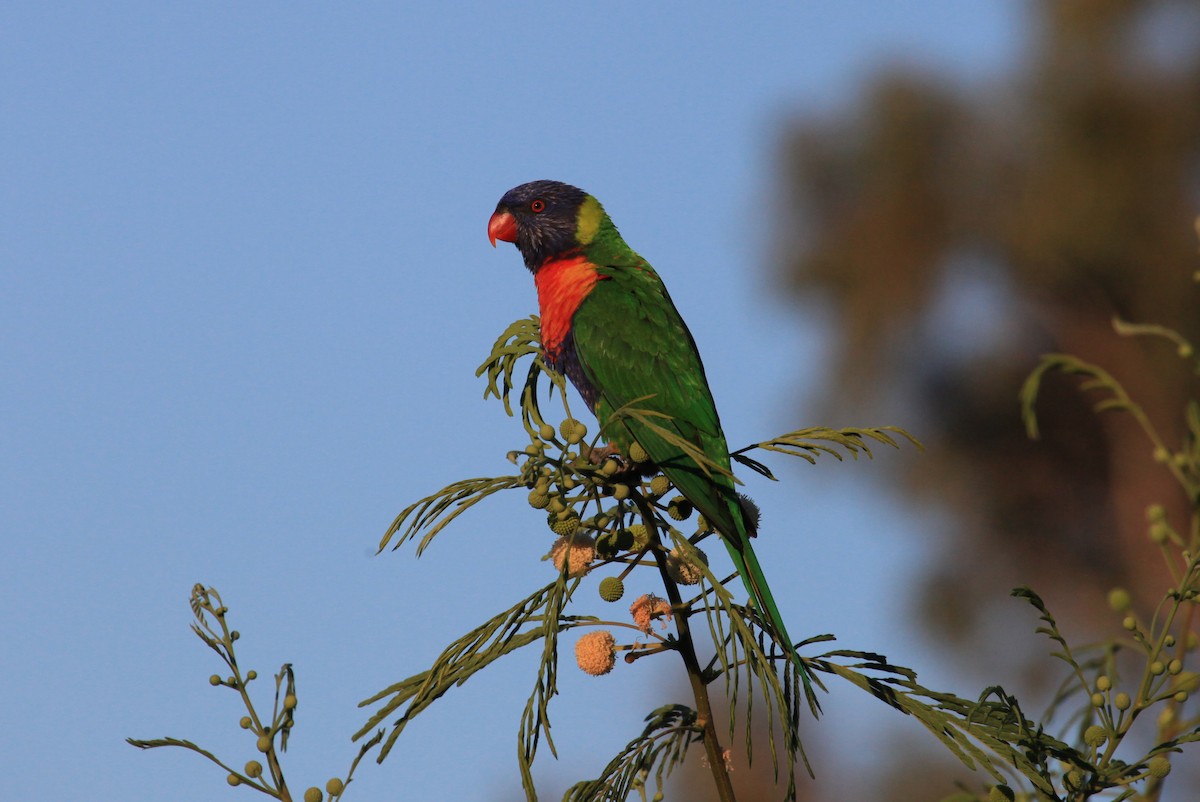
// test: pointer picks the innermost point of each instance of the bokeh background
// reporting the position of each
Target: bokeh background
(245, 283)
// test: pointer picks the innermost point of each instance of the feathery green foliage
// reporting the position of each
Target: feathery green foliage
(270, 734)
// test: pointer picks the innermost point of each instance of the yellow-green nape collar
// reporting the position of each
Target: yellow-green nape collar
(588, 224)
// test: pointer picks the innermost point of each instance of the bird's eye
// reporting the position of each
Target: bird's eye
(537, 206)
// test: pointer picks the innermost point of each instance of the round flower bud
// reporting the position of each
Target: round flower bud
(1103, 683)
(1157, 667)
(1159, 533)
(1119, 600)
(578, 432)
(546, 432)
(264, 743)
(538, 499)
(1095, 735)
(636, 453)
(659, 485)
(680, 508)
(234, 635)
(568, 525)
(624, 540)
(1175, 666)
(611, 589)
(607, 545)
(685, 568)
(1159, 766)
(620, 492)
(1180, 696)
(1097, 700)
(335, 786)
(1130, 623)
(289, 702)
(596, 653)
(610, 467)
(1169, 641)
(313, 795)
(1161, 454)
(233, 779)
(251, 674)
(1122, 701)
(253, 769)
(641, 537)
(245, 723)
(214, 680)
(1000, 793)
(577, 550)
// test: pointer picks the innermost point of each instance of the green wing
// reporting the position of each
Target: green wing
(632, 344)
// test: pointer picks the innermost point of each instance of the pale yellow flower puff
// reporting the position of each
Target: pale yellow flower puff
(596, 652)
(579, 550)
(684, 568)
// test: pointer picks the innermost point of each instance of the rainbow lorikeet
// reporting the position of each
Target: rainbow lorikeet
(608, 325)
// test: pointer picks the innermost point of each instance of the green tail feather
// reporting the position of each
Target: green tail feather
(748, 567)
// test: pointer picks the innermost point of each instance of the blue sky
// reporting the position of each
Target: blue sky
(244, 285)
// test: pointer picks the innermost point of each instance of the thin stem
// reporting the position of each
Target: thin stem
(687, 650)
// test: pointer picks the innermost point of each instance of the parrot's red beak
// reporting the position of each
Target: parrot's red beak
(502, 226)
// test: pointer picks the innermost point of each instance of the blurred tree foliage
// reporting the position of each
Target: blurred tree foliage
(957, 234)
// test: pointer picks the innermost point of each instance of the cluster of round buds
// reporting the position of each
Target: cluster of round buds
(335, 787)
(684, 567)
(573, 431)
(596, 652)
(577, 551)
